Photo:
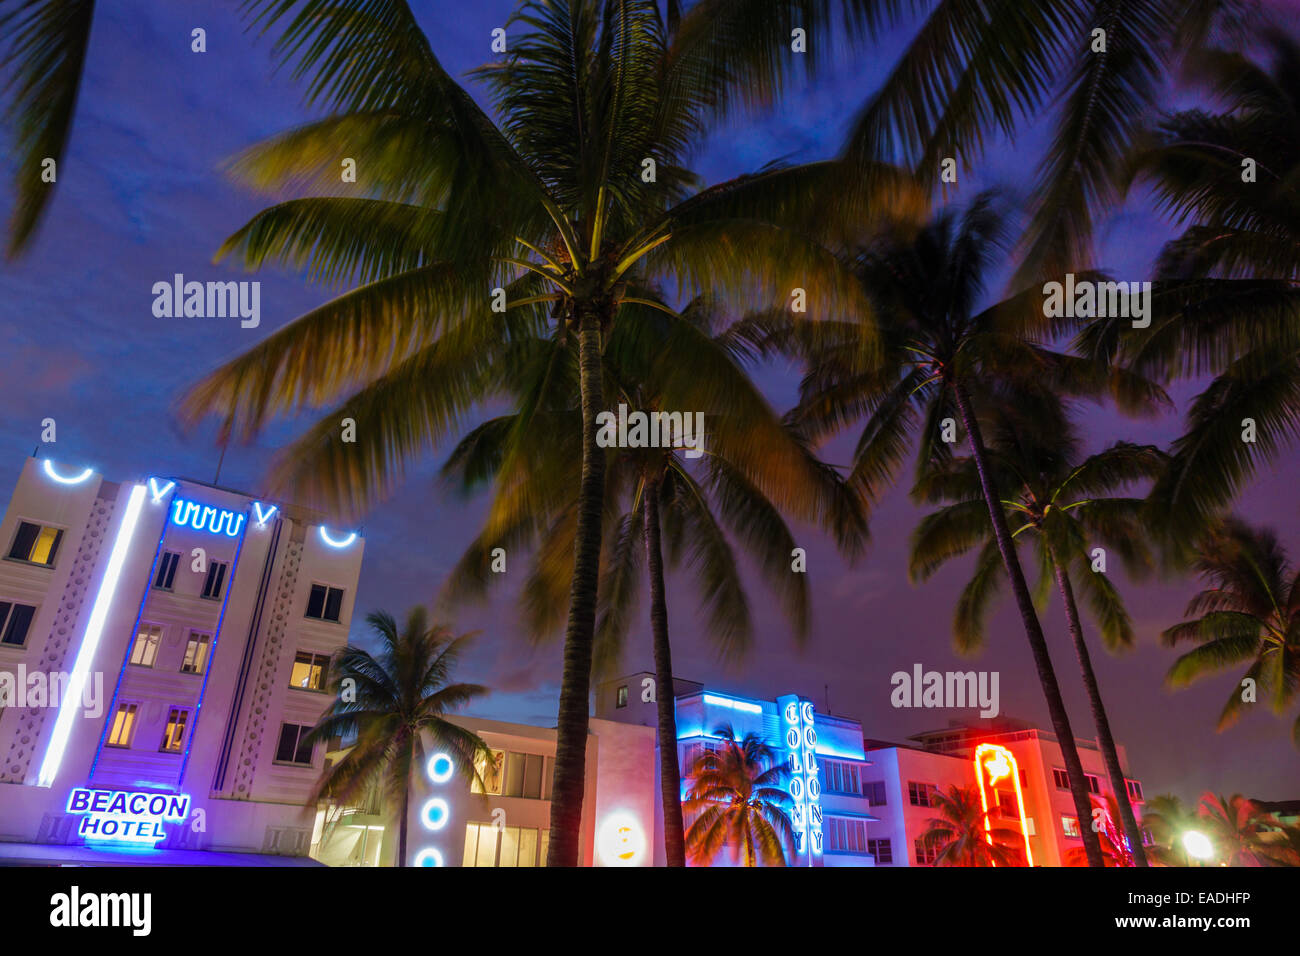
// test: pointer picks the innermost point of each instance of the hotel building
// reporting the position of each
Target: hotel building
(162, 638)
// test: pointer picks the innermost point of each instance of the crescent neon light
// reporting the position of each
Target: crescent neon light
(63, 479)
(263, 517)
(325, 536)
(90, 642)
(998, 763)
(191, 514)
(159, 492)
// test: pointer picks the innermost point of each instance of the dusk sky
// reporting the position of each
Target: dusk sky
(141, 196)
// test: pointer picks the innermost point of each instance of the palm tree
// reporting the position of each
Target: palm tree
(1066, 506)
(1250, 614)
(1115, 846)
(658, 505)
(1240, 252)
(1239, 830)
(573, 202)
(44, 53)
(738, 791)
(944, 361)
(386, 704)
(1167, 820)
(962, 832)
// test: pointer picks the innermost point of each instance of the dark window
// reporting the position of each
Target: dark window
(15, 620)
(1060, 778)
(294, 747)
(621, 700)
(167, 570)
(874, 791)
(1094, 785)
(926, 853)
(324, 603)
(36, 544)
(1134, 790)
(212, 583)
(918, 794)
(881, 850)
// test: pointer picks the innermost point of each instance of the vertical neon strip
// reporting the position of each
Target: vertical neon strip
(135, 628)
(1001, 753)
(90, 642)
(212, 653)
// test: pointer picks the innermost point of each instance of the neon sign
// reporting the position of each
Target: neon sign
(191, 514)
(436, 812)
(994, 763)
(64, 479)
(622, 841)
(157, 491)
(263, 516)
(805, 786)
(126, 817)
(342, 543)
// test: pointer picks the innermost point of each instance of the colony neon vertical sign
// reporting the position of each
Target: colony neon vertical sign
(994, 763)
(798, 722)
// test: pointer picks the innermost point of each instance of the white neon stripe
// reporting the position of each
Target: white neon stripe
(262, 519)
(733, 704)
(49, 470)
(324, 536)
(90, 643)
(159, 492)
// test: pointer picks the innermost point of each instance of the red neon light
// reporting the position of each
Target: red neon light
(998, 762)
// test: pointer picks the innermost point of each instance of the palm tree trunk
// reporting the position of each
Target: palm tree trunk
(1033, 632)
(575, 683)
(670, 775)
(1104, 739)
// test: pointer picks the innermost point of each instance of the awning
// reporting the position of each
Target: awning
(60, 854)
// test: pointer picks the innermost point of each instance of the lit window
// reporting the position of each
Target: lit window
(36, 544)
(489, 845)
(212, 583)
(145, 649)
(490, 770)
(15, 621)
(174, 736)
(621, 700)
(840, 777)
(294, 747)
(123, 725)
(846, 836)
(309, 671)
(523, 775)
(166, 570)
(324, 603)
(196, 653)
(1070, 825)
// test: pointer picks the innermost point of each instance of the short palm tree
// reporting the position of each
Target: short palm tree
(1239, 830)
(44, 52)
(1115, 846)
(738, 792)
(659, 506)
(386, 704)
(944, 359)
(964, 835)
(1167, 820)
(573, 200)
(1249, 614)
(1064, 506)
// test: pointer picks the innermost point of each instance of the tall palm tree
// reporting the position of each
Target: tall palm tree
(1239, 830)
(43, 55)
(659, 506)
(386, 704)
(1116, 847)
(1064, 505)
(943, 361)
(573, 200)
(961, 836)
(739, 795)
(1249, 614)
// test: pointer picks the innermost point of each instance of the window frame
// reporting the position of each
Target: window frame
(316, 660)
(303, 730)
(222, 582)
(41, 528)
(157, 644)
(170, 586)
(329, 590)
(7, 618)
(172, 712)
(207, 651)
(133, 706)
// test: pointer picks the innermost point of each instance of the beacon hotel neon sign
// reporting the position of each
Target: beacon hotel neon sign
(119, 816)
(805, 783)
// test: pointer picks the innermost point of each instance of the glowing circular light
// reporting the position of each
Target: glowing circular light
(621, 840)
(325, 536)
(435, 814)
(63, 479)
(428, 857)
(440, 768)
(1198, 845)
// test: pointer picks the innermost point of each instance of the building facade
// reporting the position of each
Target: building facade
(162, 638)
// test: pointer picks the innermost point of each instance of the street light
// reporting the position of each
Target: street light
(1198, 845)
